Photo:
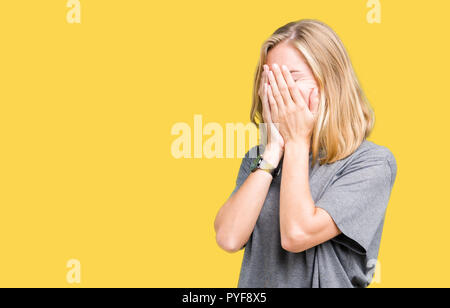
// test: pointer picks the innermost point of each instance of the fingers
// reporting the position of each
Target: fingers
(271, 100)
(282, 86)
(261, 84)
(293, 89)
(265, 76)
(276, 92)
(273, 105)
(264, 98)
(265, 104)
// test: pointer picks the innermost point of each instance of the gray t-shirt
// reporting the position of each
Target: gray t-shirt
(355, 192)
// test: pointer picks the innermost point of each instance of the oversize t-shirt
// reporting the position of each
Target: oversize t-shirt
(355, 192)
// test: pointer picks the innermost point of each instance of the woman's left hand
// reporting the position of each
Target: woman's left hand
(295, 116)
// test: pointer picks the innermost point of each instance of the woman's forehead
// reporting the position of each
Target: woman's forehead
(287, 54)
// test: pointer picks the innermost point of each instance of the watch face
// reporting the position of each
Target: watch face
(265, 165)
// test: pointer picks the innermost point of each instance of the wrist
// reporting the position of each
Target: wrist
(298, 145)
(272, 154)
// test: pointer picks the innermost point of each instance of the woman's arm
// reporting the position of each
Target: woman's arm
(236, 219)
(302, 224)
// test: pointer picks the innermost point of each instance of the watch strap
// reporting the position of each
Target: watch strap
(260, 163)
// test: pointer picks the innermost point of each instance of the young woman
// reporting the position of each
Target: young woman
(309, 209)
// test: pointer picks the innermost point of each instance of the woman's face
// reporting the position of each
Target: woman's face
(285, 53)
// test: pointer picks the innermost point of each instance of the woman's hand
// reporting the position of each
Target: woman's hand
(275, 143)
(296, 117)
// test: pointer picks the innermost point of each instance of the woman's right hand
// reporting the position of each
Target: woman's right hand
(275, 144)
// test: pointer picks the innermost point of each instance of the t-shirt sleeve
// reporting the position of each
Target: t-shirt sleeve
(244, 169)
(357, 200)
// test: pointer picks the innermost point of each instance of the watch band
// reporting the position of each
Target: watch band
(260, 163)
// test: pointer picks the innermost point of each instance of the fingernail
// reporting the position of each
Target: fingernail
(275, 65)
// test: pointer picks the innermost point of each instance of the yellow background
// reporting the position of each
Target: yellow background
(86, 111)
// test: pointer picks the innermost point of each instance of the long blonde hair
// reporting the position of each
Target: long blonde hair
(345, 117)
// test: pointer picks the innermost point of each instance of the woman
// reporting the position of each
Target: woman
(310, 209)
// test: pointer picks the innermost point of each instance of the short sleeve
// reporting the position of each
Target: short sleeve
(357, 200)
(244, 169)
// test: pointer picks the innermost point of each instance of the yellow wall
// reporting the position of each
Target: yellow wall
(86, 112)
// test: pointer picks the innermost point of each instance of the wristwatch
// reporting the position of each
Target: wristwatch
(260, 163)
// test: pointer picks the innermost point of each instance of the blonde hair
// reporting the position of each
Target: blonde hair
(345, 117)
